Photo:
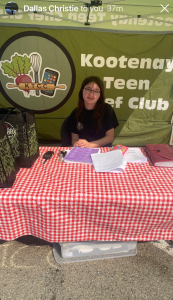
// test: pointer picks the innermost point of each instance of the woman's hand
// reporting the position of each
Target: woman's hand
(83, 143)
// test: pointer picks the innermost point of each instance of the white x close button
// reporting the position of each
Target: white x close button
(164, 8)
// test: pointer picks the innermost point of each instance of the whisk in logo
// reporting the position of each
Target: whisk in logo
(27, 79)
(25, 69)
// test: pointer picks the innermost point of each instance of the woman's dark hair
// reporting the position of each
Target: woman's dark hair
(99, 108)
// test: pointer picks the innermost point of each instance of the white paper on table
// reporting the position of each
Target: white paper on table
(135, 155)
(112, 161)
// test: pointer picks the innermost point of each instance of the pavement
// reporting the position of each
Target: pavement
(28, 271)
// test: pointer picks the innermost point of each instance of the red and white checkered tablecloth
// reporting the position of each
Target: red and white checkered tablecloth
(61, 202)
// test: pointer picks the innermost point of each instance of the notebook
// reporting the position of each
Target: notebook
(161, 155)
(81, 155)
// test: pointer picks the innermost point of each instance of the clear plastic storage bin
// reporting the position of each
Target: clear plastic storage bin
(92, 250)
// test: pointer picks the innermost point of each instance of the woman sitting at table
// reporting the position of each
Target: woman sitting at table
(92, 123)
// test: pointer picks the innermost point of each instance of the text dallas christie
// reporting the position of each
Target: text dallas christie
(50, 8)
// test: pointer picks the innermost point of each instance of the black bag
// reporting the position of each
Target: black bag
(8, 167)
(22, 134)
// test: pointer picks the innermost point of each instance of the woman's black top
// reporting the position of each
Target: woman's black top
(86, 130)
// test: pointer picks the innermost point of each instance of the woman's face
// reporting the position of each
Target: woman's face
(91, 94)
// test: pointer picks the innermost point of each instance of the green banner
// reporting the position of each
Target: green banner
(137, 70)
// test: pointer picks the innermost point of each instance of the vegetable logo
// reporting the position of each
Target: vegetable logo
(26, 73)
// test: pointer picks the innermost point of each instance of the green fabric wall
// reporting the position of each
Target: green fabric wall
(136, 69)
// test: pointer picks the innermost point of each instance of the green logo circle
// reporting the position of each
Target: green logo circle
(36, 72)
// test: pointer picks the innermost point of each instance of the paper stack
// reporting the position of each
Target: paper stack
(112, 161)
(135, 155)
